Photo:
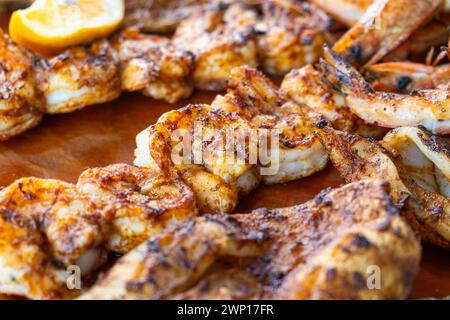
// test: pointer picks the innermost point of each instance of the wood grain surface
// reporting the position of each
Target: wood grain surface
(64, 145)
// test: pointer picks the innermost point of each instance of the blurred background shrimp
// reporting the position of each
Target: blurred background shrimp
(21, 104)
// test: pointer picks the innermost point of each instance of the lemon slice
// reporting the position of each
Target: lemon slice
(50, 26)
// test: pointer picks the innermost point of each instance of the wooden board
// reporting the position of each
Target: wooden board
(64, 145)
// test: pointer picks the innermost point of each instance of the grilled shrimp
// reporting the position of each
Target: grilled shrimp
(136, 202)
(79, 77)
(204, 146)
(21, 105)
(416, 164)
(406, 77)
(426, 158)
(164, 15)
(385, 25)
(220, 40)
(290, 36)
(307, 86)
(319, 250)
(254, 97)
(430, 108)
(45, 227)
(150, 64)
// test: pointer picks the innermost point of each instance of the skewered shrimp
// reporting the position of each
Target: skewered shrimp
(46, 226)
(151, 65)
(21, 105)
(220, 40)
(306, 86)
(49, 225)
(136, 202)
(430, 108)
(318, 250)
(257, 99)
(194, 141)
(290, 36)
(385, 25)
(153, 16)
(79, 77)
(418, 172)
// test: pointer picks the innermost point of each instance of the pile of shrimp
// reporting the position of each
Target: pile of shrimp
(375, 99)
(344, 90)
(206, 45)
(277, 36)
(47, 226)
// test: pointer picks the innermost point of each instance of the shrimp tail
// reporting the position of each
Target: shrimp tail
(342, 75)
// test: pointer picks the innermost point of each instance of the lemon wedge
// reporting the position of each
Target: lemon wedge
(49, 26)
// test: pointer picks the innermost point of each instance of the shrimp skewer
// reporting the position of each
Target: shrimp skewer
(430, 108)
(275, 254)
(47, 226)
(135, 202)
(259, 101)
(150, 64)
(206, 161)
(79, 77)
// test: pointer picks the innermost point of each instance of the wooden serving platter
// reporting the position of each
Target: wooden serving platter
(64, 145)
